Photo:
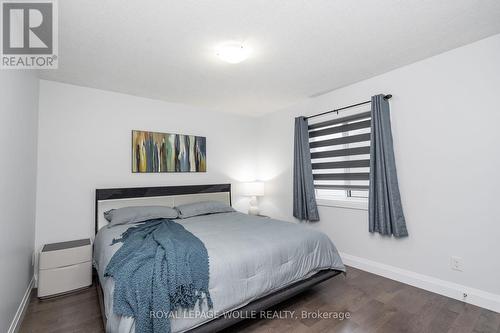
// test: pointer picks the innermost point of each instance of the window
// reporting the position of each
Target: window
(340, 154)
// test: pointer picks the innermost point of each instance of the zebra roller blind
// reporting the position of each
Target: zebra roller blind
(340, 154)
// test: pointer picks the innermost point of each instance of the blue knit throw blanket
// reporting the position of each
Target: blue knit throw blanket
(161, 267)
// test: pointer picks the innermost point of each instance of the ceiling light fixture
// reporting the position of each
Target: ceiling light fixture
(232, 52)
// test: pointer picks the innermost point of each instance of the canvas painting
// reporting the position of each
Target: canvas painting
(165, 152)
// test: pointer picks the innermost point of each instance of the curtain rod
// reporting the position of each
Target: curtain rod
(388, 96)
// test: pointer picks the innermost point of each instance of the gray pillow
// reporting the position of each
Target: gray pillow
(203, 208)
(139, 214)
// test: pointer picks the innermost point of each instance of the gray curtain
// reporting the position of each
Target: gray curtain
(384, 204)
(304, 198)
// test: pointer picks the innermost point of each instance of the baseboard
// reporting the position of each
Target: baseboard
(21, 310)
(473, 296)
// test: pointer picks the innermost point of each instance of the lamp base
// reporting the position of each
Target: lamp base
(253, 210)
(254, 206)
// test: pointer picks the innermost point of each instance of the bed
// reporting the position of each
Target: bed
(255, 262)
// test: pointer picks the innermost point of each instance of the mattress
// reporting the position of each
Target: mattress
(249, 257)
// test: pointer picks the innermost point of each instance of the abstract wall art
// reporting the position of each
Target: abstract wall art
(165, 152)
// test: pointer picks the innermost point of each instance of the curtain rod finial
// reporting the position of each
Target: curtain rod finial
(388, 96)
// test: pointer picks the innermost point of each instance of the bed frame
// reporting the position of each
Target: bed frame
(170, 195)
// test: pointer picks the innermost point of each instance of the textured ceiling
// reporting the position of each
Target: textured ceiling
(163, 49)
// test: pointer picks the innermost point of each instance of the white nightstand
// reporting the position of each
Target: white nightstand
(64, 267)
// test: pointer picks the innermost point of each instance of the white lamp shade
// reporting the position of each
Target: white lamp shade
(252, 188)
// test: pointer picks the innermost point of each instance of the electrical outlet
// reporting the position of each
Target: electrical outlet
(456, 264)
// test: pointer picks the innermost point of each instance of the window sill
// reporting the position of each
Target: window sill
(347, 203)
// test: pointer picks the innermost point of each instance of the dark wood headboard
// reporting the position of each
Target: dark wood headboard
(159, 191)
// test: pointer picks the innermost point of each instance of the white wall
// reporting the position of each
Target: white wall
(18, 131)
(445, 118)
(85, 143)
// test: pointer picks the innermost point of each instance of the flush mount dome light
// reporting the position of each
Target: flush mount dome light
(232, 52)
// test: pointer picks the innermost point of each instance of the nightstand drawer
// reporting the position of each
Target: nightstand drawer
(65, 257)
(64, 279)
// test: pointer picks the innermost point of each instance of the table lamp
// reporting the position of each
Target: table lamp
(253, 189)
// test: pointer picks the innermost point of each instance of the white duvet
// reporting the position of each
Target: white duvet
(249, 257)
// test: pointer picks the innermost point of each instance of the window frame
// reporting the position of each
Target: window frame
(349, 201)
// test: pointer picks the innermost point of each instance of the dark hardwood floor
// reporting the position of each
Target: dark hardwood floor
(78, 312)
(375, 304)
